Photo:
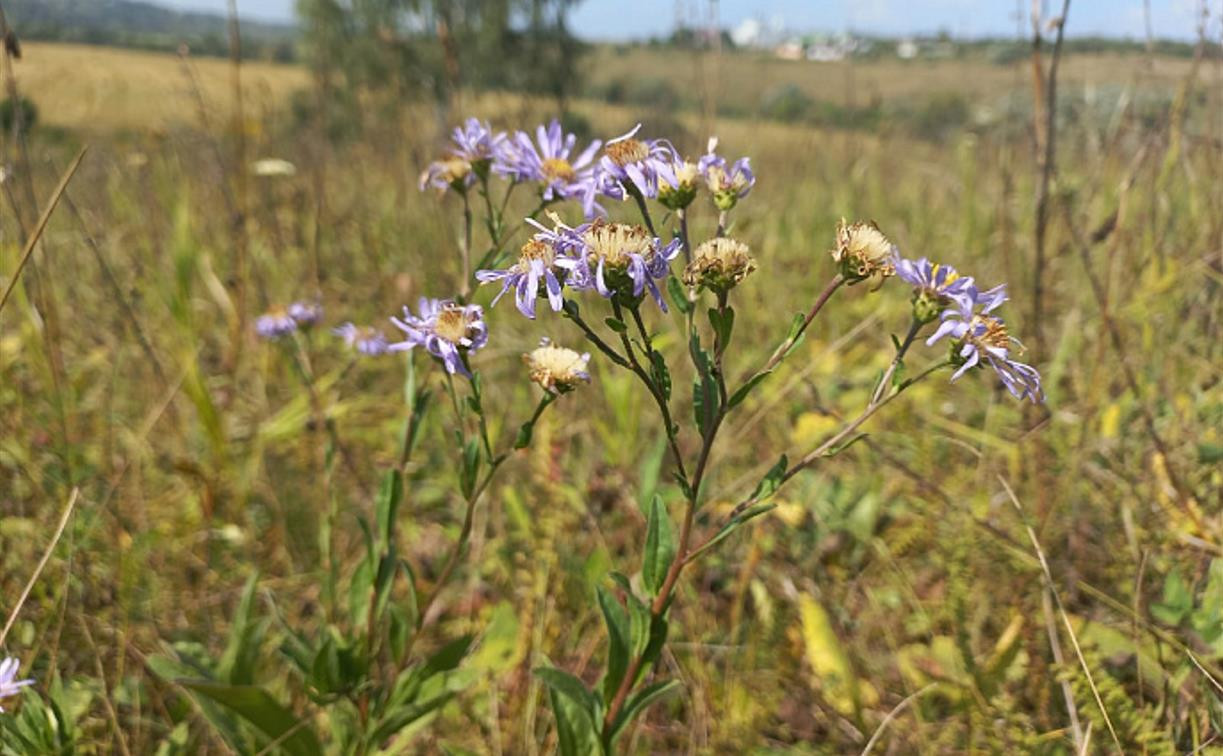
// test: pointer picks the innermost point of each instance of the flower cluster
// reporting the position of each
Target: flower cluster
(364, 339)
(279, 322)
(628, 166)
(9, 684)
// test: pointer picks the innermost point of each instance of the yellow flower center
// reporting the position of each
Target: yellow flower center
(995, 332)
(614, 242)
(534, 250)
(627, 151)
(452, 324)
(559, 169)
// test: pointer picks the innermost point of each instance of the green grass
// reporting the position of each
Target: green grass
(898, 570)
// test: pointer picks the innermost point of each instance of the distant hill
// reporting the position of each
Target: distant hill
(129, 23)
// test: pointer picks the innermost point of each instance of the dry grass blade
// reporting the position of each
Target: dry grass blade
(1074, 640)
(41, 226)
(42, 563)
(892, 715)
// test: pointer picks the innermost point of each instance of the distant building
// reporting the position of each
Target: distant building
(747, 33)
(906, 49)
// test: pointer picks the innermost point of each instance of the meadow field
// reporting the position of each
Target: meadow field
(974, 574)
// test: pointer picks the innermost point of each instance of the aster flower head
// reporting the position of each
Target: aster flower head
(539, 262)
(475, 146)
(727, 183)
(365, 340)
(863, 252)
(9, 684)
(621, 261)
(632, 165)
(556, 369)
(446, 329)
(935, 287)
(677, 183)
(549, 159)
(719, 264)
(449, 173)
(305, 314)
(275, 324)
(980, 338)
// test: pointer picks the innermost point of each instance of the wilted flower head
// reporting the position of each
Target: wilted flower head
(630, 164)
(364, 339)
(727, 184)
(556, 369)
(475, 147)
(305, 314)
(719, 264)
(9, 684)
(863, 251)
(935, 286)
(626, 261)
(549, 159)
(446, 329)
(677, 182)
(275, 323)
(980, 336)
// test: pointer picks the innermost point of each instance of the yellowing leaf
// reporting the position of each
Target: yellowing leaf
(1110, 421)
(833, 674)
(811, 428)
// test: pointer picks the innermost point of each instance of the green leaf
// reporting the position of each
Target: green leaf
(569, 686)
(401, 627)
(796, 326)
(618, 641)
(237, 664)
(637, 703)
(723, 324)
(679, 297)
(733, 525)
(1177, 600)
(256, 705)
(390, 496)
(771, 480)
(471, 468)
(660, 374)
(575, 729)
(742, 392)
(659, 546)
(616, 325)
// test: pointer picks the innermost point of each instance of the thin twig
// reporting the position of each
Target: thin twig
(42, 563)
(32, 241)
(892, 715)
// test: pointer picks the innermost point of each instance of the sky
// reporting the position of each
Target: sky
(631, 19)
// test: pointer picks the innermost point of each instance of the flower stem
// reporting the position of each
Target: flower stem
(914, 327)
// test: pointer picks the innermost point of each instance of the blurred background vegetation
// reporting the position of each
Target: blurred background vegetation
(895, 591)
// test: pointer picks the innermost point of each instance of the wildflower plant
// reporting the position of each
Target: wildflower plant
(596, 278)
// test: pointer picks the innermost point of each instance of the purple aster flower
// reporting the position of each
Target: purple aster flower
(476, 142)
(9, 684)
(982, 337)
(541, 260)
(727, 184)
(935, 286)
(275, 323)
(446, 329)
(305, 314)
(364, 339)
(475, 148)
(677, 182)
(626, 260)
(547, 159)
(630, 164)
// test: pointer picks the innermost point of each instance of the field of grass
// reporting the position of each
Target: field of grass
(894, 599)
